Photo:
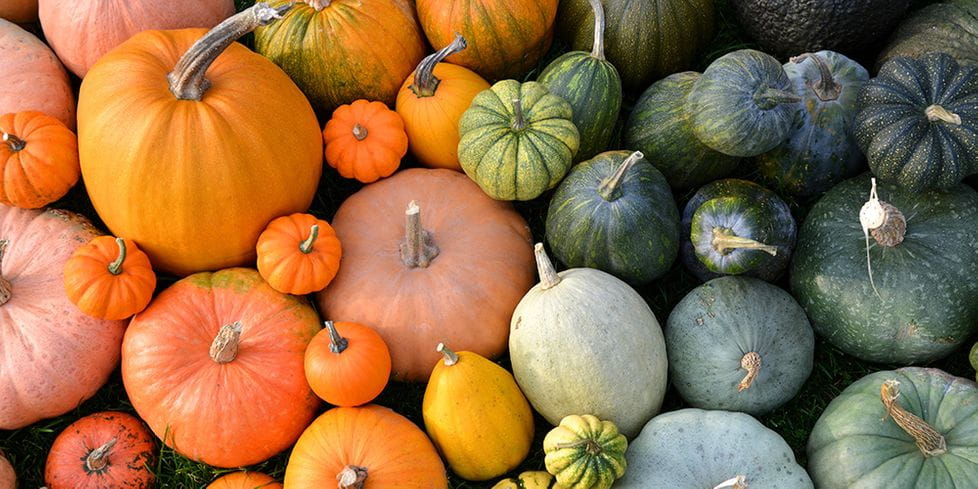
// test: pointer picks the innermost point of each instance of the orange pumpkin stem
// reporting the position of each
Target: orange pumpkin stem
(115, 268)
(310, 242)
(597, 50)
(352, 477)
(548, 275)
(187, 80)
(826, 89)
(5, 288)
(451, 358)
(337, 343)
(751, 362)
(519, 123)
(225, 346)
(610, 189)
(418, 248)
(15, 143)
(359, 132)
(425, 83)
(319, 4)
(98, 459)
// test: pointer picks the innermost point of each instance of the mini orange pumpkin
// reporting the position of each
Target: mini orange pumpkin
(347, 364)
(298, 254)
(244, 480)
(107, 449)
(38, 159)
(365, 140)
(109, 278)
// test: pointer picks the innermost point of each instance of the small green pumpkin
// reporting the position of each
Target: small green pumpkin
(517, 140)
(584, 452)
(536, 479)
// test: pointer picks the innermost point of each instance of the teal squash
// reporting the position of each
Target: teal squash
(921, 301)
(591, 85)
(743, 104)
(733, 227)
(615, 213)
(903, 429)
(517, 140)
(918, 122)
(950, 27)
(821, 150)
(661, 128)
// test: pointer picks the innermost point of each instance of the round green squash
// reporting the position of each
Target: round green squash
(904, 429)
(646, 39)
(733, 227)
(517, 140)
(742, 105)
(591, 85)
(821, 150)
(950, 27)
(697, 449)
(661, 128)
(584, 452)
(583, 341)
(615, 212)
(918, 122)
(922, 301)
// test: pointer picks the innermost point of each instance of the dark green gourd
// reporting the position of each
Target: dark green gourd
(950, 27)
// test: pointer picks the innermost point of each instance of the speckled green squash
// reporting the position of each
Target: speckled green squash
(615, 213)
(697, 449)
(820, 150)
(742, 105)
(857, 444)
(733, 227)
(918, 122)
(739, 344)
(928, 297)
(950, 27)
(661, 128)
(584, 452)
(517, 154)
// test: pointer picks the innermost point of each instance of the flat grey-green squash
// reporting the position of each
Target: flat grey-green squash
(950, 27)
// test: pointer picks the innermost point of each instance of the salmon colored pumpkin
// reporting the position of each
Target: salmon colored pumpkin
(109, 278)
(38, 159)
(244, 480)
(52, 356)
(298, 254)
(347, 364)
(195, 174)
(102, 450)
(369, 447)
(431, 102)
(19, 11)
(365, 140)
(428, 257)
(32, 77)
(215, 365)
(8, 479)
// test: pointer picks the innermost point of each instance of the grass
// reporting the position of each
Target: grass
(28, 447)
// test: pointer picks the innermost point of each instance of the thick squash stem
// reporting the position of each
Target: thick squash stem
(597, 50)
(425, 83)
(115, 268)
(751, 362)
(98, 459)
(884, 221)
(15, 143)
(593, 448)
(739, 482)
(225, 346)
(768, 98)
(548, 275)
(724, 241)
(826, 89)
(418, 248)
(519, 123)
(352, 477)
(337, 343)
(5, 287)
(936, 113)
(319, 4)
(187, 80)
(928, 440)
(610, 189)
(359, 132)
(451, 358)
(310, 242)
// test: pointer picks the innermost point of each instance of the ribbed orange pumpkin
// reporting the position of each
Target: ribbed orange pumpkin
(193, 175)
(365, 140)
(109, 278)
(244, 480)
(19, 11)
(347, 364)
(32, 77)
(431, 102)
(114, 450)
(38, 159)
(298, 254)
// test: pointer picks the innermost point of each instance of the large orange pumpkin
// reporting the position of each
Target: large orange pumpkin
(8, 478)
(452, 269)
(19, 11)
(194, 174)
(244, 480)
(52, 356)
(31, 77)
(102, 450)
(215, 364)
(38, 159)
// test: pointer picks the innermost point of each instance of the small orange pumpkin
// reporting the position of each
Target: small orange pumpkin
(298, 254)
(365, 140)
(109, 278)
(244, 480)
(347, 364)
(107, 449)
(38, 159)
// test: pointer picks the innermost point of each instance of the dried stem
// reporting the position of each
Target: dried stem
(929, 441)
(610, 189)
(548, 275)
(225, 346)
(425, 83)
(826, 88)
(751, 362)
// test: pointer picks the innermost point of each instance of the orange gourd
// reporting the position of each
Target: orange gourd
(431, 102)
(193, 165)
(298, 254)
(8, 478)
(109, 278)
(38, 159)
(32, 76)
(244, 480)
(102, 450)
(365, 140)
(19, 11)
(369, 447)
(347, 364)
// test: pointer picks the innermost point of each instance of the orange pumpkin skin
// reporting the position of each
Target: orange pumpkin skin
(8, 479)
(244, 480)
(350, 368)
(38, 159)
(19, 11)
(32, 76)
(127, 462)
(91, 284)
(394, 452)
(291, 264)
(41, 331)
(259, 397)
(365, 140)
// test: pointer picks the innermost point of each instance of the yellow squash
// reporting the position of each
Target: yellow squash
(537, 479)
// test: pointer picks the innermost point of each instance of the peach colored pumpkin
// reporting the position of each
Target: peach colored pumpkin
(21, 12)
(8, 479)
(245, 480)
(31, 77)
(52, 356)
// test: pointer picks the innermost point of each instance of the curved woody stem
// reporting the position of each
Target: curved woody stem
(425, 83)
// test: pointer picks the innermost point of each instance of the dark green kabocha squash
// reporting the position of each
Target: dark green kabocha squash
(950, 27)
(661, 128)
(914, 298)
(734, 227)
(591, 85)
(615, 212)
(918, 122)
(743, 104)
(821, 150)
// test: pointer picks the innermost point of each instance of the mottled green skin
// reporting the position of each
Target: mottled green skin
(593, 89)
(928, 302)
(901, 144)
(729, 114)
(750, 211)
(950, 28)
(855, 445)
(661, 128)
(715, 325)
(645, 39)
(821, 150)
(634, 237)
(517, 164)
(697, 449)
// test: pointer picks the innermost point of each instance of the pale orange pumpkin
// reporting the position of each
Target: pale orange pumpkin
(298, 254)
(365, 140)
(8, 478)
(244, 480)
(109, 278)
(38, 159)
(114, 450)
(32, 76)
(19, 11)
(347, 364)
